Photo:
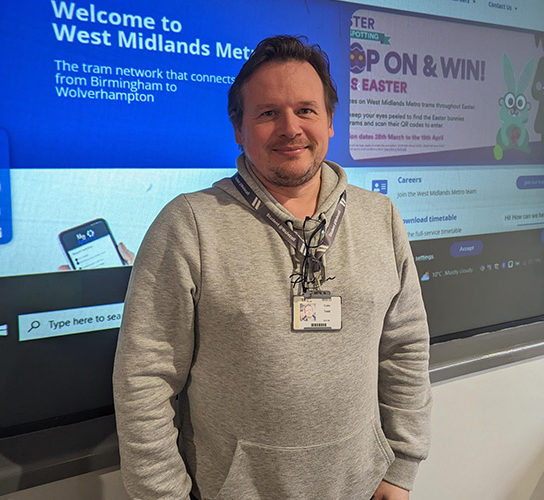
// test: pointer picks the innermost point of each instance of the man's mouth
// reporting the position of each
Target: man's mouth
(290, 149)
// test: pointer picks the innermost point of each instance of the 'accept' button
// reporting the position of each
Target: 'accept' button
(48, 324)
(466, 248)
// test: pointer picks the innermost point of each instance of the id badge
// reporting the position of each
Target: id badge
(317, 311)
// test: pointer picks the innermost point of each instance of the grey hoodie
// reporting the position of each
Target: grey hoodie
(266, 412)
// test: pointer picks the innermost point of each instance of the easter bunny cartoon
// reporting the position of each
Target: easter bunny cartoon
(514, 110)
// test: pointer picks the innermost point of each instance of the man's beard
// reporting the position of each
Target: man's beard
(282, 176)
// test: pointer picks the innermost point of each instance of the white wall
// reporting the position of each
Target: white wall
(488, 437)
(488, 444)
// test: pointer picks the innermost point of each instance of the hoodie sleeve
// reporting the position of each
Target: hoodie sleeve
(154, 355)
(403, 379)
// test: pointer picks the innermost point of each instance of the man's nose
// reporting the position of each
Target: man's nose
(289, 125)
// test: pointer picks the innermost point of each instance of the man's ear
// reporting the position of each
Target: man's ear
(331, 128)
(238, 136)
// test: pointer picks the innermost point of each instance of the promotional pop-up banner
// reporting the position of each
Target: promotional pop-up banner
(421, 86)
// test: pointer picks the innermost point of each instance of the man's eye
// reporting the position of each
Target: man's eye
(306, 111)
(267, 113)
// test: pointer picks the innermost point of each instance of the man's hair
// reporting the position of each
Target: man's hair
(281, 48)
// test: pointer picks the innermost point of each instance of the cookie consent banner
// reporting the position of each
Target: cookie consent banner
(420, 86)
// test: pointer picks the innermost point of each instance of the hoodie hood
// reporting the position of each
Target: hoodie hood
(333, 184)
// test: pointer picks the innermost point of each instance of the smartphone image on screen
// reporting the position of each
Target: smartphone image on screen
(90, 246)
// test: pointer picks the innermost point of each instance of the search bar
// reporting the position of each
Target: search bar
(48, 324)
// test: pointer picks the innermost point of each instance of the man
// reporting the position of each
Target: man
(271, 408)
(308, 313)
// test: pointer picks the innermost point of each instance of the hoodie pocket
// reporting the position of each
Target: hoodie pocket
(346, 469)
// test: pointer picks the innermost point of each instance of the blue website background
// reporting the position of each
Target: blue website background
(5, 191)
(188, 127)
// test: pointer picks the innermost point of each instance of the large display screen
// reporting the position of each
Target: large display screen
(108, 110)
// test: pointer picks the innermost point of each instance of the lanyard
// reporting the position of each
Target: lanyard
(283, 229)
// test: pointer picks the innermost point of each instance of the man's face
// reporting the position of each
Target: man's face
(285, 128)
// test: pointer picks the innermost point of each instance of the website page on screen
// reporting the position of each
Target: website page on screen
(111, 109)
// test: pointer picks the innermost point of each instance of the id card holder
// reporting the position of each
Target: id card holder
(318, 311)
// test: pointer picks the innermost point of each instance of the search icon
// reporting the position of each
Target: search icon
(34, 325)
